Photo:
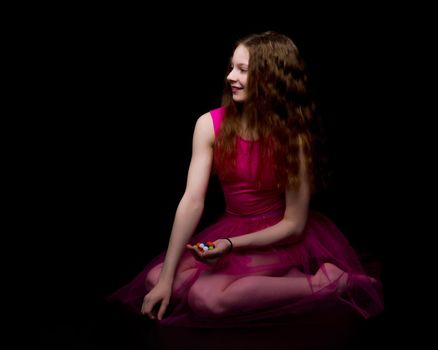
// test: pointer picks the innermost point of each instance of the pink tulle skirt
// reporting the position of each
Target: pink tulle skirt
(322, 242)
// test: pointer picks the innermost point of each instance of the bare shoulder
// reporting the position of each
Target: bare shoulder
(205, 120)
(204, 127)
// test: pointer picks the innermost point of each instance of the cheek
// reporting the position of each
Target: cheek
(243, 80)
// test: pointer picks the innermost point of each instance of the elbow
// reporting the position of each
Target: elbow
(295, 231)
(298, 229)
(196, 203)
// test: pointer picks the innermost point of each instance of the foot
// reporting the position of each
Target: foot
(331, 274)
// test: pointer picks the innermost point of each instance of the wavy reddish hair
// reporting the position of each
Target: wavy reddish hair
(278, 107)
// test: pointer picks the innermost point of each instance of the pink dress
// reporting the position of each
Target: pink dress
(250, 207)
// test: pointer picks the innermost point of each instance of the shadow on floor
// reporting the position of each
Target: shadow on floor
(110, 328)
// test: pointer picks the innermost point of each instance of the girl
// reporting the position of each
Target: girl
(270, 256)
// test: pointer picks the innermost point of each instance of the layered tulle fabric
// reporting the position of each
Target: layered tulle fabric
(322, 242)
(248, 274)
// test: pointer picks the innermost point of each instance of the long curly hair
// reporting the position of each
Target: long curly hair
(278, 107)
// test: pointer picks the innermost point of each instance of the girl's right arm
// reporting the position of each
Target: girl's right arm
(187, 215)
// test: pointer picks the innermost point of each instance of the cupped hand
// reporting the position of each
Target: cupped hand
(156, 301)
(221, 248)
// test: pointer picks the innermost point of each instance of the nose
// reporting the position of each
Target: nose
(231, 77)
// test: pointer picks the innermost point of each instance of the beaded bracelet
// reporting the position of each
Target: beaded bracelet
(231, 244)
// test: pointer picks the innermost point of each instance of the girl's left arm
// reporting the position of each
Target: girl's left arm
(288, 230)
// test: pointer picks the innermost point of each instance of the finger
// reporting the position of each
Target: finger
(211, 254)
(154, 311)
(151, 313)
(162, 310)
(149, 308)
(146, 310)
(195, 252)
(144, 306)
(206, 255)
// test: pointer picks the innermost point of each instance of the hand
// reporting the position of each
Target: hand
(221, 247)
(156, 301)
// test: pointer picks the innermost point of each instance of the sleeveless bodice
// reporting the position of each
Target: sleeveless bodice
(244, 193)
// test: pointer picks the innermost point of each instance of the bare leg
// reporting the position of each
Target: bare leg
(183, 273)
(221, 294)
(294, 272)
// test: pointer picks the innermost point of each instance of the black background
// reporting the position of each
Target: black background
(114, 99)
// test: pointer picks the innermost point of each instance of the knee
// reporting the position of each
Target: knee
(205, 301)
(153, 275)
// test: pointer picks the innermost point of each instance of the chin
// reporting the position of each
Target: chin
(238, 98)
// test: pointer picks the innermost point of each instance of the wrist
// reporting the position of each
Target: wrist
(231, 245)
(165, 278)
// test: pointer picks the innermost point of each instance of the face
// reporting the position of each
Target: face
(239, 71)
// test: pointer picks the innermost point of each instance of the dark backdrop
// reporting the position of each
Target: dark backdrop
(117, 99)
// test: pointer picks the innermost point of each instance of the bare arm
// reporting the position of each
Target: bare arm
(191, 206)
(287, 230)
